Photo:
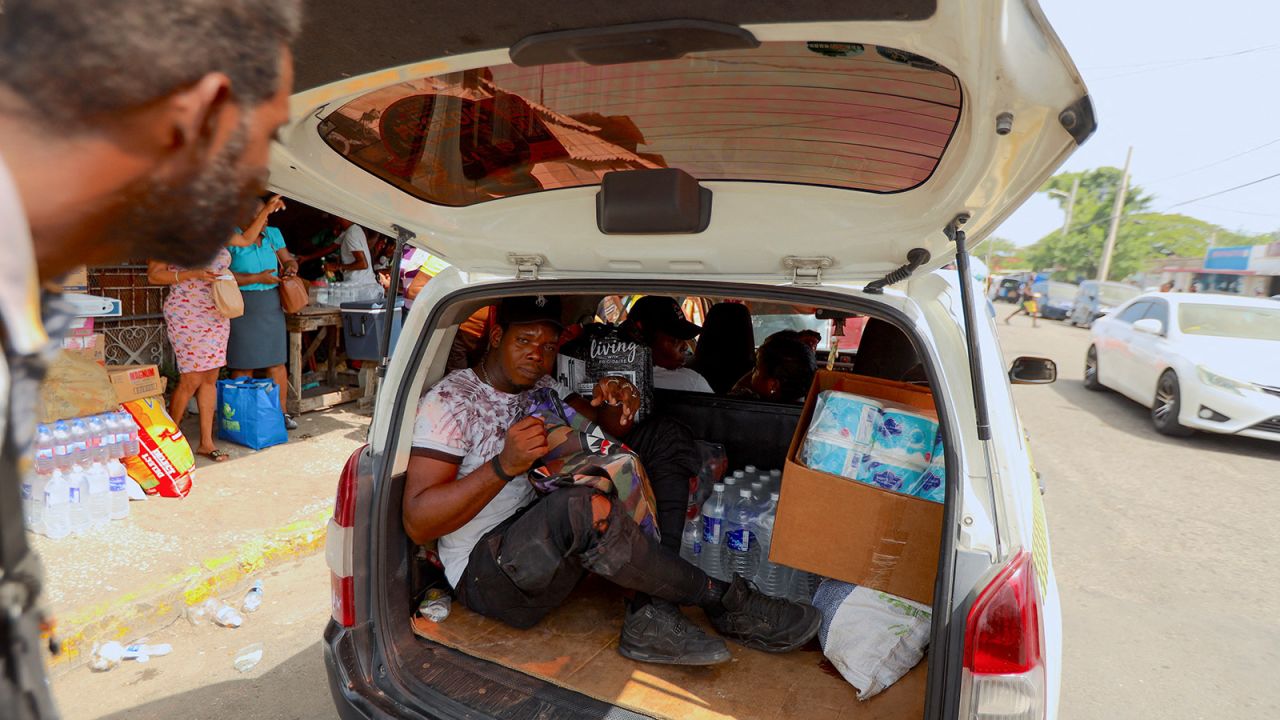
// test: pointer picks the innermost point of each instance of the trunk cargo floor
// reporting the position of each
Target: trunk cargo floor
(576, 648)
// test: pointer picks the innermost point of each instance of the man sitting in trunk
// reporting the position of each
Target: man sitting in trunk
(514, 556)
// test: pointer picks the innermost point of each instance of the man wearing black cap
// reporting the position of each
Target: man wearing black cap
(515, 557)
(659, 323)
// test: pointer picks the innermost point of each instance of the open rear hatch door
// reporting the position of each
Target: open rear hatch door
(845, 135)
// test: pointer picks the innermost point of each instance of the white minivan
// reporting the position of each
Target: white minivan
(828, 160)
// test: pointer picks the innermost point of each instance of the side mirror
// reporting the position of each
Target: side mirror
(1027, 370)
(1149, 325)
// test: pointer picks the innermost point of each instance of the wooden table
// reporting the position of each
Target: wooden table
(327, 321)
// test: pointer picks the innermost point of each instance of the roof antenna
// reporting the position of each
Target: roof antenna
(915, 258)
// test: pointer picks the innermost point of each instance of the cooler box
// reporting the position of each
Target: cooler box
(363, 325)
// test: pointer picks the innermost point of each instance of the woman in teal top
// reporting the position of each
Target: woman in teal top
(259, 341)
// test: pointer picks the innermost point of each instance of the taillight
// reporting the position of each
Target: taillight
(337, 543)
(1003, 663)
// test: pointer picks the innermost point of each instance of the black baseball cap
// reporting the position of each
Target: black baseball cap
(663, 314)
(525, 309)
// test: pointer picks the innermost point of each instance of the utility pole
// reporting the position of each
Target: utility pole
(1115, 219)
(1071, 207)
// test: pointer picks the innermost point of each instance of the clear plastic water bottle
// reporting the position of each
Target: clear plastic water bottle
(99, 495)
(253, 598)
(739, 546)
(57, 518)
(28, 500)
(759, 495)
(223, 614)
(62, 446)
(117, 477)
(750, 471)
(775, 479)
(127, 432)
(95, 436)
(110, 442)
(80, 442)
(713, 511)
(691, 540)
(770, 577)
(78, 499)
(44, 449)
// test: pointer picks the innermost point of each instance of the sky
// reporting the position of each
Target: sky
(1153, 88)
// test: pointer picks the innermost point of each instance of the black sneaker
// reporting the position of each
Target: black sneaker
(763, 623)
(660, 633)
(290, 423)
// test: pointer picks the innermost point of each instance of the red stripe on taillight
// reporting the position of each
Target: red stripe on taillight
(344, 507)
(343, 596)
(1002, 633)
(338, 543)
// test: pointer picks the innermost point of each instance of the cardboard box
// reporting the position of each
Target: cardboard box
(851, 531)
(134, 382)
(74, 387)
(77, 280)
(81, 327)
(93, 347)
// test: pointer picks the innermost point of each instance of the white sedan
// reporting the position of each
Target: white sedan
(1200, 362)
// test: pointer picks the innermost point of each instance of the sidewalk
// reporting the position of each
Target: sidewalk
(244, 516)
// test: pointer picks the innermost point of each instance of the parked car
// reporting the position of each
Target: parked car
(1200, 362)
(551, 164)
(1095, 299)
(1007, 290)
(1056, 298)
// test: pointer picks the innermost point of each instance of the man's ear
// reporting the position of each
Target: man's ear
(774, 386)
(202, 114)
(495, 336)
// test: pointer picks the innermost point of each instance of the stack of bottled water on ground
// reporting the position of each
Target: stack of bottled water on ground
(78, 484)
(734, 530)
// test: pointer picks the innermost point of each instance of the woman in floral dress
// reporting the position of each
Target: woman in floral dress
(198, 334)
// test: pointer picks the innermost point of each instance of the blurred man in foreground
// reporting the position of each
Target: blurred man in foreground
(128, 129)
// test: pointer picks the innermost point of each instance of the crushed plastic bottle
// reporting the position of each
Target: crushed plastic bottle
(253, 598)
(227, 616)
(109, 655)
(436, 605)
(248, 657)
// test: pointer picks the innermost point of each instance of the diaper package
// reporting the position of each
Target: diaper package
(876, 442)
(908, 434)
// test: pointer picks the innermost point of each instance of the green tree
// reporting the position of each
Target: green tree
(998, 246)
(1142, 237)
(1078, 252)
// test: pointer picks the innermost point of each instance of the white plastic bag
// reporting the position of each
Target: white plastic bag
(873, 638)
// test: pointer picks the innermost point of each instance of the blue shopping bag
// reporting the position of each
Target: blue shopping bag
(249, 413)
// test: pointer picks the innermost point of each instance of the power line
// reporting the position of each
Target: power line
(1223, 192)
(1179, 63)
(1170, 61)
(1215, 162)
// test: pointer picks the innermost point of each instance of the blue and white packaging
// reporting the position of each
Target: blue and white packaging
(907, 434)
(848, 417)
(929, 486)
(830, 456)
(889, 472)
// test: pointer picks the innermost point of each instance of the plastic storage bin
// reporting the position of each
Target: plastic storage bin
(363, 325)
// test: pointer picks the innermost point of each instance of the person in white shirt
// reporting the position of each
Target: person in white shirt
(660, 324)
(353, 252)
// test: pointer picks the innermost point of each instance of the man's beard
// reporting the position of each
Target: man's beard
(186, 222)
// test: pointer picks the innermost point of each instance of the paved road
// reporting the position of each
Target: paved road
(1171, 601)
(197, 681)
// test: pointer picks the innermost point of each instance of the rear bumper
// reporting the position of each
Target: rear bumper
(349, 696)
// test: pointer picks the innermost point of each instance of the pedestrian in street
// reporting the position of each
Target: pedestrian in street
(1026, 305)
(259, 341)
(128, 128)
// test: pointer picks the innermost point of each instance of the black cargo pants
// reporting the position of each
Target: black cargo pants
(527, 566)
